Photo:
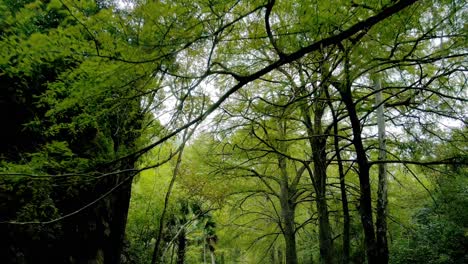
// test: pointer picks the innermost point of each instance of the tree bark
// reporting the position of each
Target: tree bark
(365, 199)
(181, 247)
(287, 205)
(317, 143)
(213, 258)
(325, 240)
(287, 215)
(344, 196)
(204, 253)
(156, 252)
(344, 203)
(381, 220)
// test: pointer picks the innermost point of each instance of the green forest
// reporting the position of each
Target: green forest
(233, 131)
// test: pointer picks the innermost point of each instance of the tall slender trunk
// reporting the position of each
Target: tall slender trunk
(287, 205)
(317, 141)
(381, 219)
(365, 199)
(325, 240)
(213, 258)
(157, 251)
(287, 215)
(204, 253)
(181, 246)
(344, 204)
(344, 196)
(318, 144)
(346, 217)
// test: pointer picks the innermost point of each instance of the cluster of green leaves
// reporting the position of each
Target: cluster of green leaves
(84, 76)
(437, 231)
(69, 111)
(422, 72)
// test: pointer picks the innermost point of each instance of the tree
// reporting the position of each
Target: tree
(60, 176)
(260, 155)
(436, 224)
(94, 74)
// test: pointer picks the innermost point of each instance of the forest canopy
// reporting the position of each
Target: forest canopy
(231, 131)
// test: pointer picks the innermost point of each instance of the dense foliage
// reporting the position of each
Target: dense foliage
(247, 131)
(65, 123)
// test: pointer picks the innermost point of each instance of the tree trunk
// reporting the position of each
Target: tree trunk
(344, 205)
(157, 251)
(381, 220)
(287, 205)
(213, 258)
(204, 253)
(181, 247)
(287, 215)
(325, 240)
(318, 144)
(365, 199)
(317, 141)
(346, 218)
(344, 196)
